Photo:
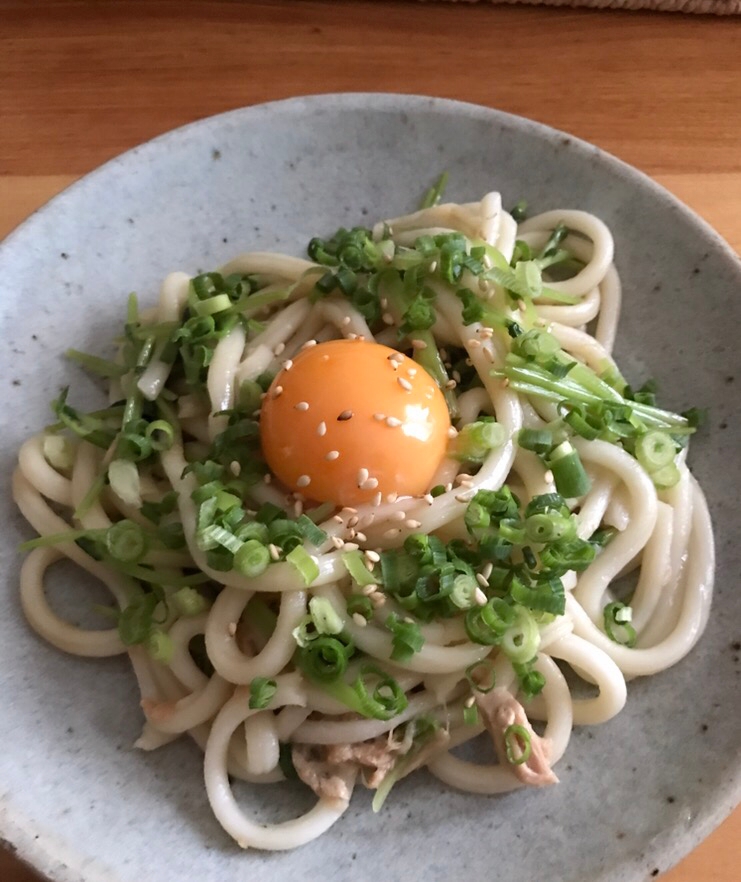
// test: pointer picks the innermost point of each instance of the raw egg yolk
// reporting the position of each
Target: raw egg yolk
(348, 419)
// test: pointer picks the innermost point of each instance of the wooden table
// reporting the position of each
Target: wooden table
(80, 82)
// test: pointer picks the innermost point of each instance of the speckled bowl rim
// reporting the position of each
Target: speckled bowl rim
(16, 832)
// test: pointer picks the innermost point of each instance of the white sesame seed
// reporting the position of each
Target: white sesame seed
(488, 354)
(379, 417)
(298, 508)
(486, 333)
(337, 542)
(548, 477)
(412, 372)
(373, 556)
(359, 620)
(377, 499)
(231, 629)
(482, 580)
(448, 487)
(394, 422)
(309, 344)
(351, 534)
(344, 416)
(361, 537)
(392, 497)
(433, 266)
(274, 551)
(321, 429)
(345, 321)
(387, 318)
(279, 348)
(352, 336)
(486, 571)
(337, 519)
(367, 590)
(277, 392)
(398, 516)
(288, 364)
(466, 482)
(521, 305)
(459, 479)
(408, 619)
(473, 343)
(302, 405)
(404, 383)
(370, 484)
(384, 302)
(332, 455)
(483, 286)
(463, 497)
(351, 546)
(456, 376)
(505, 382)
(451, 384)
(362, 476)
(470, 701)
(391, 534)
(235, 468)
(452, 432)
(429, 498)
(267, 478)
(480, 597)
(419, 344)
(378, 599)
(303, 481)
(349, 510)
(353, 521)
(414, 525)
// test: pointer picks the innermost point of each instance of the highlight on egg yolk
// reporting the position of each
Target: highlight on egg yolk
(349, 419)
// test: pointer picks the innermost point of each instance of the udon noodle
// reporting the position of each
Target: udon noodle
(225, 646)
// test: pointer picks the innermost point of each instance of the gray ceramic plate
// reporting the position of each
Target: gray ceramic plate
(636, 794)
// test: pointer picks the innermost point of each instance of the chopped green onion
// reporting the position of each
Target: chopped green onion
(434, 194)
(471, 715)
(161, 435)
(654, 450)
(388, 698)
(101, 367)
(323, 614)
(59, 452)
(481, 676)
(519, 211)
(307, 566)
(160, 646)
(262, 691)
(517, 744)
(312, 534)
(252, 558)
(359, 604)
(464, 590)
(126, 542)
(521, 641)
(617, 617)
(475, 440)
(540, 441)
(324, 659)
(354, 564)
(136, 620)
(666, 477)
(123, 476)
(569, 476)
(188, 602)
(406, 637)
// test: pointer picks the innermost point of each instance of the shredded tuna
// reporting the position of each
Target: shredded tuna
(500, 710)
(375, 758)
(329, 780)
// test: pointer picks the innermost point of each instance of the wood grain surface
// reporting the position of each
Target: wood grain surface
(82, 81)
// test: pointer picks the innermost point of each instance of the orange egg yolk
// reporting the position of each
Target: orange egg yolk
(348, 419)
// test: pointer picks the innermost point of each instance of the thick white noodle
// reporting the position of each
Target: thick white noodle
(666, 537)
